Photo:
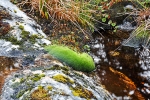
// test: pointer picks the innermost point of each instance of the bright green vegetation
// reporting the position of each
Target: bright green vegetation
(81, 62)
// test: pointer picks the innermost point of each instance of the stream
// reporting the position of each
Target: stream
(122, 69)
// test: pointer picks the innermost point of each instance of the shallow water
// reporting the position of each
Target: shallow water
(120, 71)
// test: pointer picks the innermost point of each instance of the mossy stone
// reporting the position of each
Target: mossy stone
(40, 94)
(78, 61)
(62, 78)
(82, 92)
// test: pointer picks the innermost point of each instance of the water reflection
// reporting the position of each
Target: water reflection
(119, 70)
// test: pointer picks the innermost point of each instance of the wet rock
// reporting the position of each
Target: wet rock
(24, 38)
(53, 82)
(120, 13)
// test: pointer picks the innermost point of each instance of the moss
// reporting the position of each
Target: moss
(12, 39)
(81, 92)
(20, 93)
(21, 27)
(25, 34)
(37, 77)
(40, 94)
(62, 78)
(22, 80)
(65, 68)
(42, 75)
(49, 88)
(81, 62)
(33, 38)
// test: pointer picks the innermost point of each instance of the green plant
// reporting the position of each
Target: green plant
(144, 3)
(81, 62)
(141, 33)
(81, 13)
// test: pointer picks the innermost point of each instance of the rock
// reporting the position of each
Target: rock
(120, 13)
(52, 83)
(20, 35)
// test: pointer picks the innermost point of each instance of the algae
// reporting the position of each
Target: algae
(81, 62)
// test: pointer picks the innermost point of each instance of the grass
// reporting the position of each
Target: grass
(142, 32)
(81, 62)
(81, 13)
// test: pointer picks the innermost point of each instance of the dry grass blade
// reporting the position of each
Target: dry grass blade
(75, 11)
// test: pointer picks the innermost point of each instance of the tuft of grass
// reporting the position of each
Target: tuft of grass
(141, 34)
(81, 13)
(81, 62)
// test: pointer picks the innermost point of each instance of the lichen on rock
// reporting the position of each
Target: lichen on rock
(40, 94)
(62, 78)
(52, 84)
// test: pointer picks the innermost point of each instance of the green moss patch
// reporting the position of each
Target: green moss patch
(20, 93)
(81, 92)
(37, 77)
(62, 78)
(50, 88)
(80, 62)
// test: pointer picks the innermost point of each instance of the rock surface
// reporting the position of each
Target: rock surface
(52, 83)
